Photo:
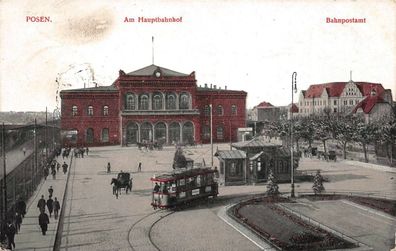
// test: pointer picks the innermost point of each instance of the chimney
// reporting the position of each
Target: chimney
(210, 86)
(219, 87)
(225, 87)
(214, 86)
(206, 85)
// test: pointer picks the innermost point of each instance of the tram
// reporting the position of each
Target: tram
(183, 186)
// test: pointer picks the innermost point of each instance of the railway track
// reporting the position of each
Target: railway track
(139, 234)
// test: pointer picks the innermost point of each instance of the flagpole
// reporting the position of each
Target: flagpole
(152, 49)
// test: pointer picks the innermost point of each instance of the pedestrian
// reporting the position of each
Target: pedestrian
(140, 167)
(50, 191)
(108, 167)
(41, 204)
(18, 221)
(46, 172)
(64, 167)
(43, 222)
(56, 208)
(57, 166)
(87, 150)
(24, 151)
(50, 205)
(53, 172)
(10, 233)
(21, 207)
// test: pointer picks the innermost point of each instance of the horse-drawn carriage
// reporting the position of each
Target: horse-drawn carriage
(123, 180)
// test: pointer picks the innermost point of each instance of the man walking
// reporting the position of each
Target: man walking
(50, 191)
(50, 205)
(41, 204)
(56, 208)
(140, 167)
(10, 232)
(64, 167)
(18, 222)
(43, 222)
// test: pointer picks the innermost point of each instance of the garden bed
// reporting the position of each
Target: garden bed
(284, 229)
(384, 205)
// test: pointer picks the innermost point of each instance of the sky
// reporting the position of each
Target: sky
(253, 46)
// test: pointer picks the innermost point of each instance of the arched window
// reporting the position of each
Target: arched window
(129, 101)
(184, 101)
(174, 132)
(90, 135)
(160, 132)
(90, 110)
(219, 110)
(105, 135)
(143, 102)
(207, 110)
(132, 133)
(146, 132)
(206, 132)
(188, 132)
(170, 101)
(105, 110)
(74, 110)
(234, 110)
(220, 133)
(157, 101)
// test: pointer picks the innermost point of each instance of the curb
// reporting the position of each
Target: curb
(59, 229)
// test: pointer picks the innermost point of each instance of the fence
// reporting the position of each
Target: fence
(25, 168)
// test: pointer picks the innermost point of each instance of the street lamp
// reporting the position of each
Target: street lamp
(211, 135)
(294, 89)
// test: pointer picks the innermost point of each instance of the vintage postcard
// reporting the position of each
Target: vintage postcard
(198, 125)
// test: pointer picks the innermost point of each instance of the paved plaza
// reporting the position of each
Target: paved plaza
(96, 220)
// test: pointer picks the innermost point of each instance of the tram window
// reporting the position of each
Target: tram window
(209, 178)
(182, 182)
(172, 187)
(199, 180)
(193, 182)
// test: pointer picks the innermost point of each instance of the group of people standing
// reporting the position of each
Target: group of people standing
(13, 224)
(52, 205)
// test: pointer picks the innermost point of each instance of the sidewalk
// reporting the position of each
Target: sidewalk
(371, 166)
(30, 236)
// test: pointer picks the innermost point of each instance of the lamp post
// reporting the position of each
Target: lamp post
(211, 135)
(4, 202)
(294, 89)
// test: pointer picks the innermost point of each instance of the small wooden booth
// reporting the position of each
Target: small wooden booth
(232, 167)
(251, 161)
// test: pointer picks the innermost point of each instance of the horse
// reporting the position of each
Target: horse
(116, 186)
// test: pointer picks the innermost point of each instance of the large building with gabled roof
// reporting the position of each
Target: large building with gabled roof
(152, 104)
(339, 97)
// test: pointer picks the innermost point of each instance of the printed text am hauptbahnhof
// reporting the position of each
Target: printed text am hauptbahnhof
(153, 20)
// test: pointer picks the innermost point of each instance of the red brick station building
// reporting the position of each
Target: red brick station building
(151, 104)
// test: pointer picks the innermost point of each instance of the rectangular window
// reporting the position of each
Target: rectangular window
(74, 110)
(105, 135)
(335, 102)
(90, 110)
(232, 169)
(335, 109)
(350, 102)
(234, 110)
(105, 110)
